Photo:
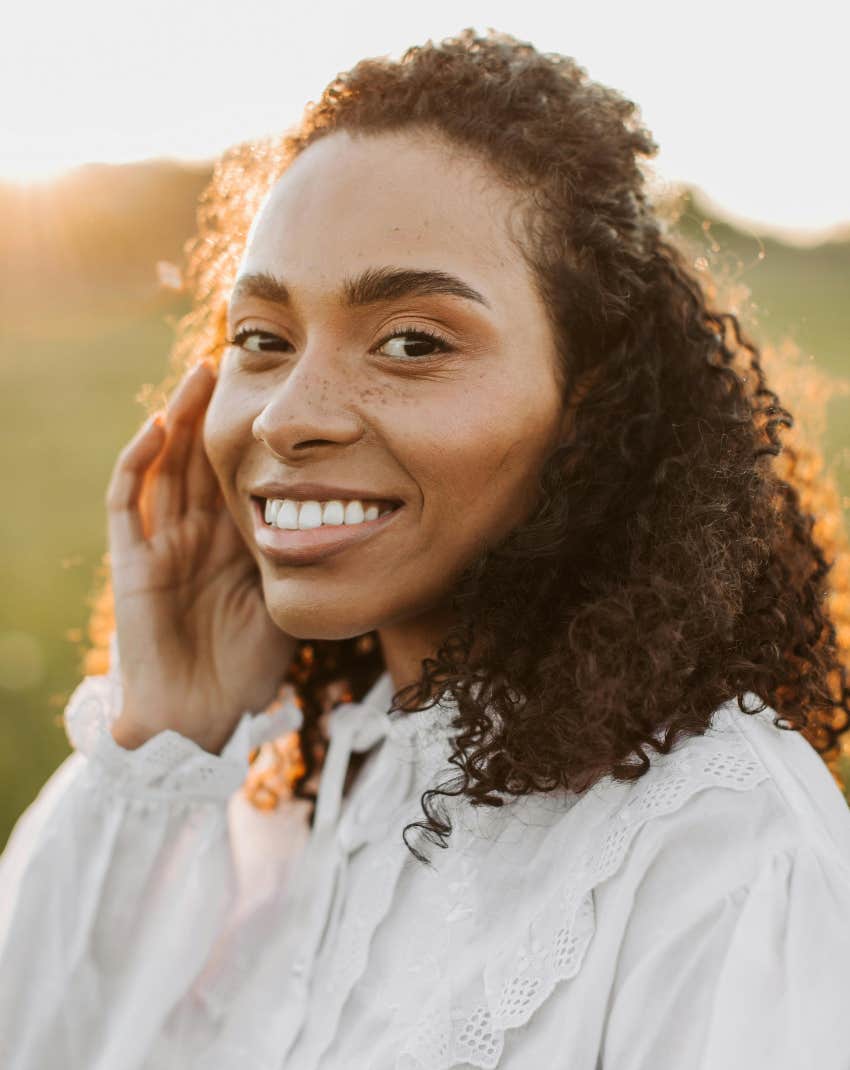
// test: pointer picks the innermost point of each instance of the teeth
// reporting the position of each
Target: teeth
(297, 515)
(287, 515)
(310, 515)
(333, 513)
(354, 513)
(272, 509)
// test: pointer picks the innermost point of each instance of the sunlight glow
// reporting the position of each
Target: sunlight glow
(37, 170)
(100, 82)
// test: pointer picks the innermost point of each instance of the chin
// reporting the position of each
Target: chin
(313, 622)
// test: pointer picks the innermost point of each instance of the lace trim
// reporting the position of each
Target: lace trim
(416, 758)
(168, 765)
(519, 978)
(386, 800)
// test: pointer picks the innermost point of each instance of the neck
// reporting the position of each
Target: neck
(405, 645)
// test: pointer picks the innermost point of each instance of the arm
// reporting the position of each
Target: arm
(114, 885)
(757, 978)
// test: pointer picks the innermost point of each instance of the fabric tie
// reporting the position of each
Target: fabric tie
(312, 908)
(354, 729)
(317, 893)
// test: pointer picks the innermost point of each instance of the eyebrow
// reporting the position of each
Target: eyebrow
(370, 286)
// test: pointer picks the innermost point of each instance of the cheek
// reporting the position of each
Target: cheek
(478, 462)
(224, 429)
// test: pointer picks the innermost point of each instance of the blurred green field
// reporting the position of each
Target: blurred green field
(85, 327)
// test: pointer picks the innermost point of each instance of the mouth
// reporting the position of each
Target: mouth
(303, 546)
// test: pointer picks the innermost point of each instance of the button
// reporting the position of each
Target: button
(298, 966)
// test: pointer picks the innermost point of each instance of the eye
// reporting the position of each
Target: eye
(417, 337)
(266, 341)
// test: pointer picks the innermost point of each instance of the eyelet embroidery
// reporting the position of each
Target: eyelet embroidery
(520, 977)
(168, 766)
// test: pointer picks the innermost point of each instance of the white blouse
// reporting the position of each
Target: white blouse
(151, 917)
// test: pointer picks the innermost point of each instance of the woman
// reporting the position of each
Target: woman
(469, 492)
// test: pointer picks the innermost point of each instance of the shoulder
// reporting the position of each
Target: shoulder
(746, 805)
(716, 806)
(733, 901)
(708, 866)
(744, 786)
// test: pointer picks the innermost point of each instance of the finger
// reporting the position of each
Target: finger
(202, 488)
(124, 520)
(168, 491)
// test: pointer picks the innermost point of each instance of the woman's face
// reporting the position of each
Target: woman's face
(456, 430)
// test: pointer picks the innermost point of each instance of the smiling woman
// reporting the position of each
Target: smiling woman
(468, 506)
(331, 377)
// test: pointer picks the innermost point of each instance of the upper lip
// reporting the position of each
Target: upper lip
(318, 492)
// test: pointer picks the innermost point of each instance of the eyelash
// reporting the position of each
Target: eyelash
(417, 334)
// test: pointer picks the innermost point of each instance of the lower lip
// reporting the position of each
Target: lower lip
(297, 547)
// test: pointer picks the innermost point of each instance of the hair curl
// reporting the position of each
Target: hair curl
(672, 561)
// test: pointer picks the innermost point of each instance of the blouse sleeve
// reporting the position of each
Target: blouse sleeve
(758, 978)
(114, 884)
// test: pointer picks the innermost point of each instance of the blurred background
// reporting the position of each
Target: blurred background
(112, 117)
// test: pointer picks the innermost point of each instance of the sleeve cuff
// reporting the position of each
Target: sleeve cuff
(168, 765)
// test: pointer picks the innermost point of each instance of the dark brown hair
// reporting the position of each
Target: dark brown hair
(671, 563)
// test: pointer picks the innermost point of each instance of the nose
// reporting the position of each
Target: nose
(313, 406)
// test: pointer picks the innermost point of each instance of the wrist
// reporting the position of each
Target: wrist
(128, 735)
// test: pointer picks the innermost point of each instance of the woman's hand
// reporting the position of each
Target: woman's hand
(196, 643)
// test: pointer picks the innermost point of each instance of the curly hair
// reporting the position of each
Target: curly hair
(671, 562)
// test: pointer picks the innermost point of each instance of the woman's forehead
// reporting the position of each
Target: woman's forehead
(347, 204)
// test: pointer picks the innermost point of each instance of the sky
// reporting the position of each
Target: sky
(748, 99)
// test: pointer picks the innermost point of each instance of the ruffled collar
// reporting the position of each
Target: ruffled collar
(422, 730)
